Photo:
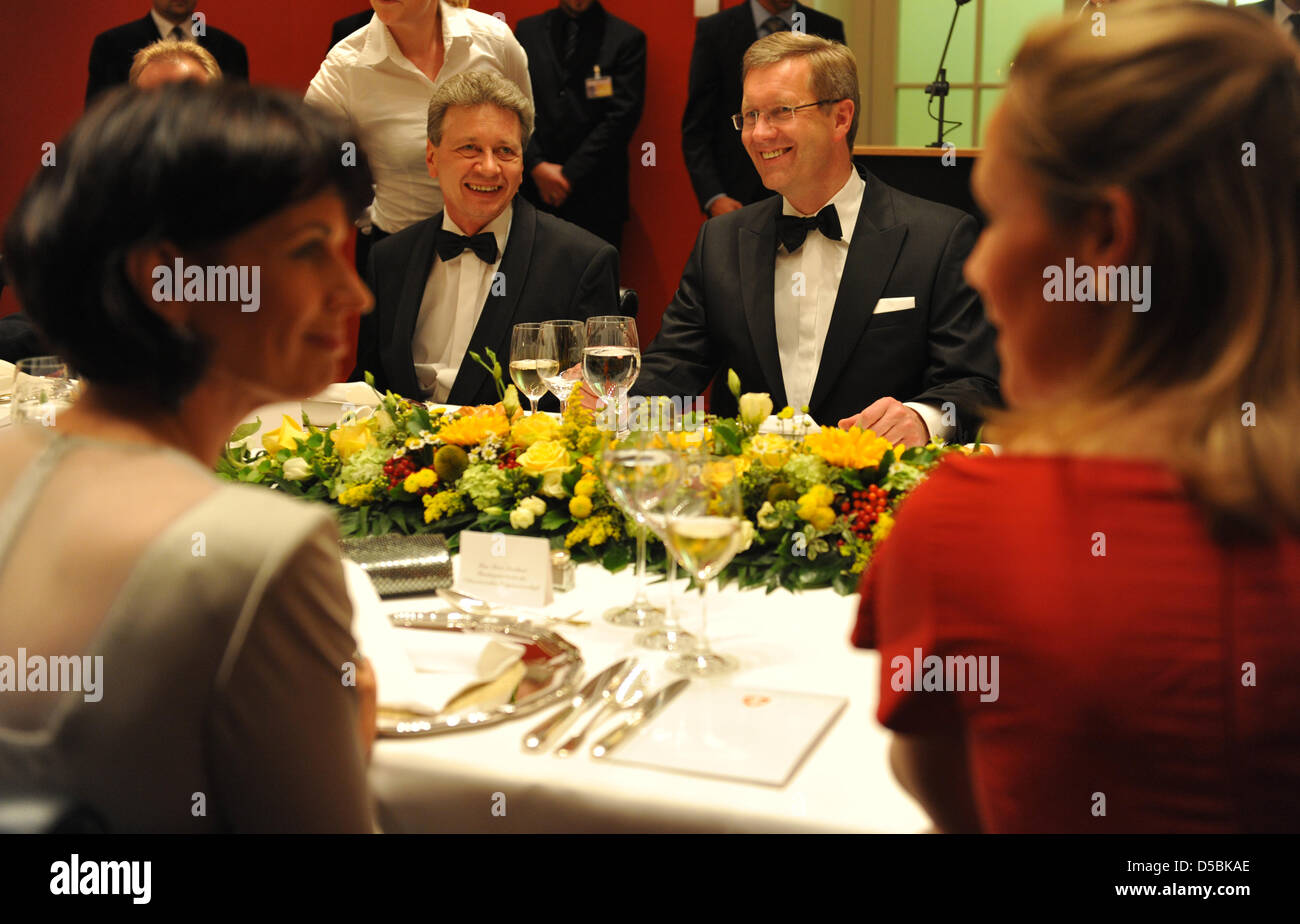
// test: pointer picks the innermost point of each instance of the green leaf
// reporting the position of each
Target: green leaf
(243, 431)
(554, 519)
(616, 557)
(727, 437)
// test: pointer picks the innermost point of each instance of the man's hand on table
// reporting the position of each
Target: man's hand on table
(891, 419)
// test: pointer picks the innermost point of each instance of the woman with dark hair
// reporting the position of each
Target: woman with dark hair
(1097, 631)
(200, 631)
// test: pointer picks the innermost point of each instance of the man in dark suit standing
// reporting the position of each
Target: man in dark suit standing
(588, 74)
(721, 172)
(1286, 13)
(113, 51)
(842, 294)
(347, 25)
(462, 279)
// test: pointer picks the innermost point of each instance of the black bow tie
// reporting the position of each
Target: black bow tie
(451, 245)
(791, 229)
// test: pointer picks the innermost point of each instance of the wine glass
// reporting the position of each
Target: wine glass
(43, 388)
(668, 635)
(611, 360)
(563, 341)
(705, 523)
(638, 470)
(529, 367)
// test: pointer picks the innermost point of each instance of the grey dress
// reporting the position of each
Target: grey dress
(222, 619)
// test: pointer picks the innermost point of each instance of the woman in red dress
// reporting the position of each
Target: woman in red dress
(1099, 631)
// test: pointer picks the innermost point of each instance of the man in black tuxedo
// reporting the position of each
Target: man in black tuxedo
(347, 25)
(1286, 13)
(860, 312)
(113, 51)
(721, 172)
(461, 280)
(588, 74)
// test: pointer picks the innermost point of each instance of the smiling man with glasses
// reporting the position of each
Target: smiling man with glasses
(842, 294)
(461, 280)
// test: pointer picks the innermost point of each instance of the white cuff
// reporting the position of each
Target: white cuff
(933, 419)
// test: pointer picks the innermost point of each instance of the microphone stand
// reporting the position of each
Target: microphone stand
(940, 86)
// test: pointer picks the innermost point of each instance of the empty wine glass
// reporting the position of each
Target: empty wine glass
(638, 471)
(43, 389)
(705, 523)
(611, 361)
(563, 341)
(529, 367)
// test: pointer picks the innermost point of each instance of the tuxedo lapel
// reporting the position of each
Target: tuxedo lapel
(877, 240)
(758, 269)
(397, 354)
(497, 317)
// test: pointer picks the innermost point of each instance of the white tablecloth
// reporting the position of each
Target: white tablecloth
(449, 782)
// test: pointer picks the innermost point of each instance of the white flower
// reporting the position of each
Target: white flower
(296, 469)
(755, 408)
(552, 484)
(521, 517)
(534, 504)
(747, 533)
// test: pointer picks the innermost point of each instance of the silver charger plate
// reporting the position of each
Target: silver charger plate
(553, 666)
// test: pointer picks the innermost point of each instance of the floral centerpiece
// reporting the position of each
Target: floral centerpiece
(817, 500)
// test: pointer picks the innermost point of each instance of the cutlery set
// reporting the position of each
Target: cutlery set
(620, 687)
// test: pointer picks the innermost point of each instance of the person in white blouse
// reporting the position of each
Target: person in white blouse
(382, 78)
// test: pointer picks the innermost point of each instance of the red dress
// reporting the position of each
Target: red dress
(1155, 688)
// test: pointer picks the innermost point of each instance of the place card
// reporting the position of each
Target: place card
(754, 736)
(511, 570)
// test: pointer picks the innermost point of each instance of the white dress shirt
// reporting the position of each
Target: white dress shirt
(367, 78)
(1282, 16)
(449, 311)
(806, 284)
(165, 28)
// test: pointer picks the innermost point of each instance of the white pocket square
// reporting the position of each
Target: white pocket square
(894, 304)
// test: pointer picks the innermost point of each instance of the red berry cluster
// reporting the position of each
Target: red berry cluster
(507, 459)
(863, 508)
(398, 469)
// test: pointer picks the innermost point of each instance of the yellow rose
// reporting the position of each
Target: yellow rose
(529, 430)
(755, 408)
(285, 436)
(351, 438)
(580, 507)
(545, 456)
(770, 449)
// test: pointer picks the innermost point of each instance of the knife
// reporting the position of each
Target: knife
(541, 737)
(653, 705)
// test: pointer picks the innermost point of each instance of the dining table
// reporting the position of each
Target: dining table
(483, 780)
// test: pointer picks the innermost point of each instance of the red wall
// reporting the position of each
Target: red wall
(44, 49)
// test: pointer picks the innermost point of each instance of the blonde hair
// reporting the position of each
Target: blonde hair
(833, 67)
(475, 88)
(171, 49)
(1192, 109)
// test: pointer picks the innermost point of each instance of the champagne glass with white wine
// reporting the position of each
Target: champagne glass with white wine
(563, 341)
(705, 523)
(611, 360)
(529, 366)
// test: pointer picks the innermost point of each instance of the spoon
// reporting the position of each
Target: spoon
(628, 693)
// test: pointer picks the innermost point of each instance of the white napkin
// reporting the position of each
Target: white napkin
(358, 393)
(419, 670)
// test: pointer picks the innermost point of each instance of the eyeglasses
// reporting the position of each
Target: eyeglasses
(777, 115)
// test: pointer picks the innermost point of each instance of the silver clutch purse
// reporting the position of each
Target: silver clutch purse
(399, 565)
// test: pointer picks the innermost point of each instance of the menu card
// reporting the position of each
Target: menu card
(756, 736)
(500, 568)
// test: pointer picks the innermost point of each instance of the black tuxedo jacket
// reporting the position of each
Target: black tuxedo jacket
(715, 158)
(723, 315)
(347, 25)
(113, 51)
(588, 137)
(552, 270)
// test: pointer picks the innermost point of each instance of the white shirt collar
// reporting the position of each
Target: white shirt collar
(847, 202)
(499, 227)
(380, 43)
(1282, 14)
(165, 28)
